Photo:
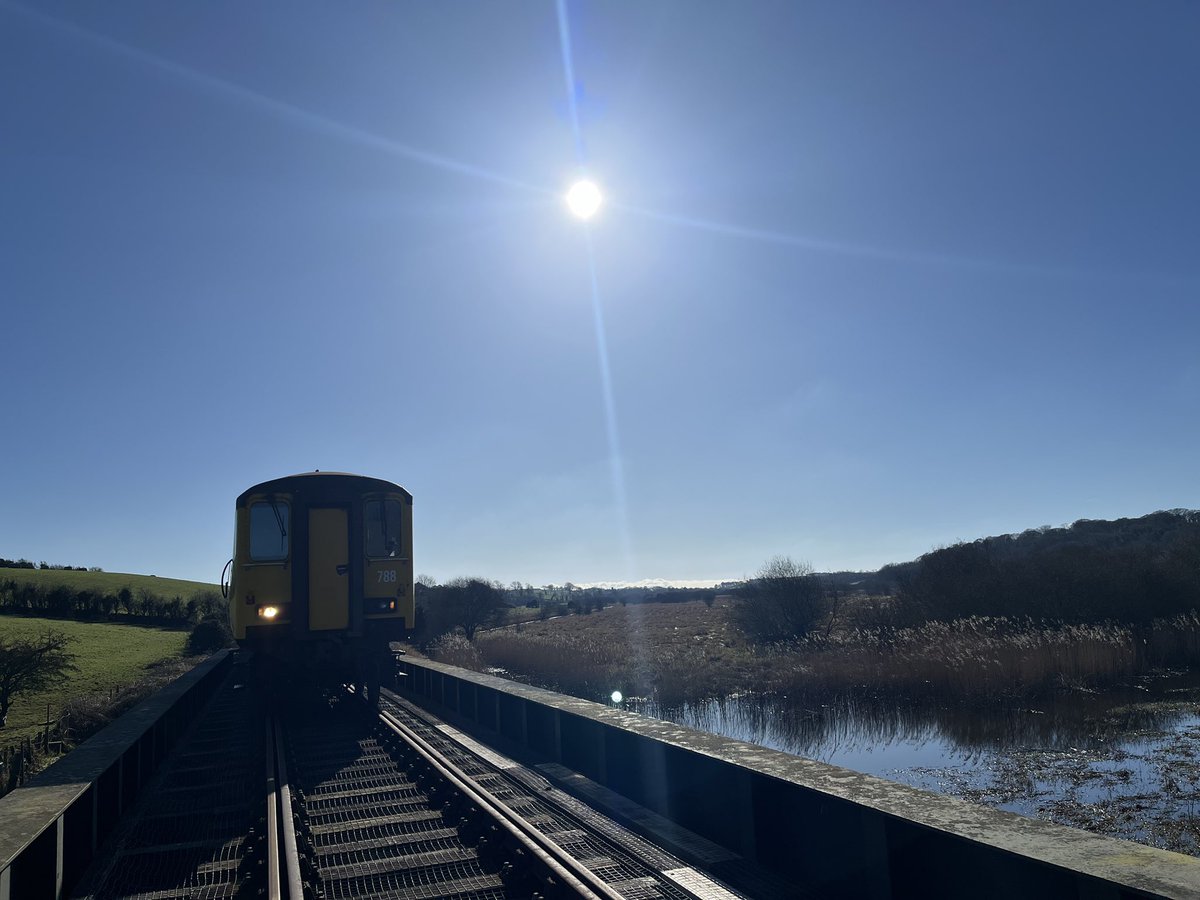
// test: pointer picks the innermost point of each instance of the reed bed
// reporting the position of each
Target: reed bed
(978, 658)
(686, 652)
(670, 651)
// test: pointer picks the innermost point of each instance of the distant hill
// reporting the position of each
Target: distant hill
(1126, 570)
(1154, 529)
(106, 582)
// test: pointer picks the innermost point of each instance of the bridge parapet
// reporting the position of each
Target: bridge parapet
(836, 832)
(50, 828)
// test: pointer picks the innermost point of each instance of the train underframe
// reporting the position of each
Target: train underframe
(323, 664)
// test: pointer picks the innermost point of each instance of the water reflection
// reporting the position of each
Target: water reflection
(884, 738)
(1125, 763)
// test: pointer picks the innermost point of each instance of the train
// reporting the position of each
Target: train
(321, 579)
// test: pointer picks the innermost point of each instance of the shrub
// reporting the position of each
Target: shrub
(209, 635)
(206, 605)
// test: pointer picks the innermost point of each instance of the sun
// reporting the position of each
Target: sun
(584, 199)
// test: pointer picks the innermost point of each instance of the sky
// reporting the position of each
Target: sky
(868, 278)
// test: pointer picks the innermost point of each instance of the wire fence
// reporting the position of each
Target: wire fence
(22, 760)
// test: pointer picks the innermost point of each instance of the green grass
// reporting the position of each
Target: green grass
(108, 656)
(107, 582)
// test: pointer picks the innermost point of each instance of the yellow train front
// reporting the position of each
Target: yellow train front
(322, 574)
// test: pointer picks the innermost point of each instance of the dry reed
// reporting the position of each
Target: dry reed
(684, 652)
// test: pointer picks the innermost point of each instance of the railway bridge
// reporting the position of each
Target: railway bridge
(466, 785)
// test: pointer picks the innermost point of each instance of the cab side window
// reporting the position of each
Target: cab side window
(269, 527)
(382, 528)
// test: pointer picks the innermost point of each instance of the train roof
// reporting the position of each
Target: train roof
(323, 483)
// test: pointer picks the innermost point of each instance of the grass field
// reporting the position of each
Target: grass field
(108, 656)
(107, 582)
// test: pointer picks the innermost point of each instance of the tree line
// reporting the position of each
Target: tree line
(1129, 571)
(28, 564)
(64, 602)
(471, 604)
(1070, 582)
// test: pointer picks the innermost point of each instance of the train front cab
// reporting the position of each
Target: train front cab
(322, 572)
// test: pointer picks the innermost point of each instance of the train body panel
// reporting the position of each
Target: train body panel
(328, 565)
(322, 573)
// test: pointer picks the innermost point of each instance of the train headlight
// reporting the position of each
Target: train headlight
(268, 612)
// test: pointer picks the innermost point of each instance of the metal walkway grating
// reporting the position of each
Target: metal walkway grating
(189, 834)
(372, 831)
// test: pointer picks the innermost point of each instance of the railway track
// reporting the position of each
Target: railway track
(320, 801)
(383, 816)
(629, 865)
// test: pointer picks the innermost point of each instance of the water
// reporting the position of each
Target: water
(1112, 762)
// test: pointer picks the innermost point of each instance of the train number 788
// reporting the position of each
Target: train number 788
(387, 575)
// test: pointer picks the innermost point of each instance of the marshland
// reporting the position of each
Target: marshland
(1075, 702)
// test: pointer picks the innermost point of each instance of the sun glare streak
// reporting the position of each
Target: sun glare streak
(280, 107)
(779, 237)
(638, 646)
(864, 251)
(564, 40)
(636, 632)
(584, 199)
(610, 414)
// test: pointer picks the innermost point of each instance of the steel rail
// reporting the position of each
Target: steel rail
(281, 826)
(291, 857)
(273, 886)
(572, 874)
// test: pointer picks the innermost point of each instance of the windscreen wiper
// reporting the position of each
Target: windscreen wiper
(278, 519)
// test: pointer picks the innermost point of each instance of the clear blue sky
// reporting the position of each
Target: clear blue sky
(870, 277)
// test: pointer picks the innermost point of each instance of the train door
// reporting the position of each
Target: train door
(328, 568)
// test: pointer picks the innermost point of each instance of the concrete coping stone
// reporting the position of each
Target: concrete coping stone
(1124, 862)
(27, 811)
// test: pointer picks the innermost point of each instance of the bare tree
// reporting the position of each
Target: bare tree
(466, 603)
(784, 600)
(473, 603)
(30, 665)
